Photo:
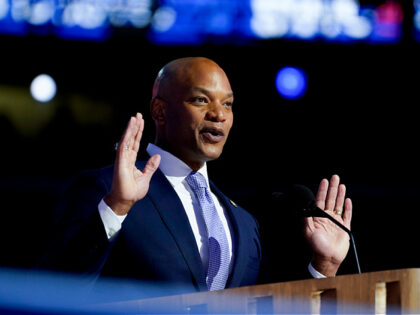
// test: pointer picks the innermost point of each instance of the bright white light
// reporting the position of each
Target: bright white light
(141, 18)
(43, 88)
(42, 12)
(272, 7)
(163, 19)
(118, 18)
(84, 15)
(358, 27)
(345, 9)
(21, 10)
(305, 19)
(4, 8)
(140, 12)
(270, 18)
(308, 18)
(329, 26)
(305, 29)
(269, 26)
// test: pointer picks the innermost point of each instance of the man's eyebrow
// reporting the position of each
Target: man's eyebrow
(207, 92)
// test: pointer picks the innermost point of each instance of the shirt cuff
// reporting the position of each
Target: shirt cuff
(314, 272)
(112, 222)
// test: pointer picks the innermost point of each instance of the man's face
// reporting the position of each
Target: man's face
(198, 113)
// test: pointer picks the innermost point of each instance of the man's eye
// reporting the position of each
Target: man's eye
(200, 99)
(229, 104)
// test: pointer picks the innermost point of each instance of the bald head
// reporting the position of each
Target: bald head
(180, 72)
(192, 109)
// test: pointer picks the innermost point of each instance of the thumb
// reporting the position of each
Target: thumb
(152, 165)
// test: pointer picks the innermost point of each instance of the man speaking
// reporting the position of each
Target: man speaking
(163, 219)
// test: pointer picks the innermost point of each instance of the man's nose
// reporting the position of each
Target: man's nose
(216, 112)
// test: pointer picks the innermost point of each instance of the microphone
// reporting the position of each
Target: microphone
(301, 200)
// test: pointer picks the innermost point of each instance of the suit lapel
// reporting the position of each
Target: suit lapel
(173, 215)
(241, 239)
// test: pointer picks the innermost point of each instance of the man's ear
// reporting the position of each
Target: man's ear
(157, 110)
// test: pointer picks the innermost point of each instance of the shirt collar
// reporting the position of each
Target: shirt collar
(172, 167)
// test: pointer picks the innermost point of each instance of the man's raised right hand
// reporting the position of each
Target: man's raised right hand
(129, 184)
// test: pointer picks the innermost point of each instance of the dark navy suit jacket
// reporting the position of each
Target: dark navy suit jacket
(155, 243)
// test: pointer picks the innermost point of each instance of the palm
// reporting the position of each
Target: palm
(129, 183)
(326, 238)
(328, 241)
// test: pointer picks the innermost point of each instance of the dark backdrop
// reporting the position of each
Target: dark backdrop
(357, 119)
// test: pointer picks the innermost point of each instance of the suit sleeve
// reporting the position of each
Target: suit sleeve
(79, 242)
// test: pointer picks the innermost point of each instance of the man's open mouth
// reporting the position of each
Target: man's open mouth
(213, 134)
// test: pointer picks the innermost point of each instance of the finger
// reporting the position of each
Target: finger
(339, 203)
(128, 133)
(322, 194)
(332, 193)
(133, 133)
(348, 212)
(127, 140)
(151, 165)
(139, 134)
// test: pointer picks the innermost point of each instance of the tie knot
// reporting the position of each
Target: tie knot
(196, 180)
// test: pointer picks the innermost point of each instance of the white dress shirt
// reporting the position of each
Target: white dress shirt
(176, 171)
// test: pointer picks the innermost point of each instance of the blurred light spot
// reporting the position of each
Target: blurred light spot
(390, 12)
(43, 88)
(85, 15)
(306, 16)
(388, 18)
(118, 19)
(42, 12)
(305, 29)
(270, 19)
(4, 8)
(358, 27)
(345, 9)
(291, 82)
(141, 17)
(269, 26)
(163, 19)
(21, 10)
(329, 26)
(417, 20)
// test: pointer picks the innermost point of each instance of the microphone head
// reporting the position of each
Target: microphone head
(299, 199)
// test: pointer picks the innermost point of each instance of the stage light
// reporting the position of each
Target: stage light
(85, 15)
(163, 19)
(42, 12)
(329, 27)
(306, 15)
(305, 29)
(291, 82)
(43, 88)
(270, 19)
(19, 11)
(268, 26)
(4, 8)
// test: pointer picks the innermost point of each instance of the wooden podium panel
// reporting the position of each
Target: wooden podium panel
(382, 292)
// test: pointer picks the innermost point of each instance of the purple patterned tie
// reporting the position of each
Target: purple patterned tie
(218, 267)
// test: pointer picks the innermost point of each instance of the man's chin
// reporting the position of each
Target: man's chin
(210, 154)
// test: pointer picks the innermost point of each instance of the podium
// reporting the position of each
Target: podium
(382, 292)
